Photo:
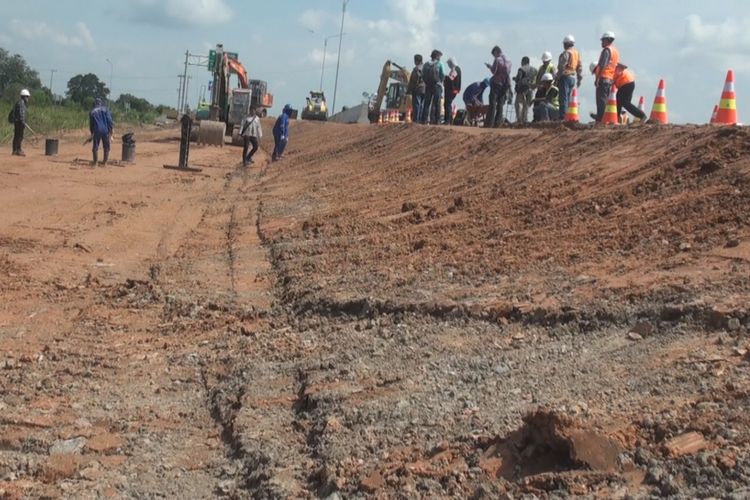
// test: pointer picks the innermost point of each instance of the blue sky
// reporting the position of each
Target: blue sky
(690, 43)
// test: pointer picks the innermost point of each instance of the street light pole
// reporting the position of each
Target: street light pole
(338, 61)
(111, 71)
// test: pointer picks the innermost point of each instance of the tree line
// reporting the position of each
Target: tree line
(16, 74)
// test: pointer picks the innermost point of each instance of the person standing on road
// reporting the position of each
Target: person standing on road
(524, 79)
(452, 89)
(18, 119)
(605, 73)
(499, 88)
(101, 127)
(569, 73)
(546, 67)
(417, 89)
(281, 133)
(251, 132)
(546, 102)
(433, 73)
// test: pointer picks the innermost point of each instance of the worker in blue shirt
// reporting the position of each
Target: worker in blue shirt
(101, 127)
(281, 133)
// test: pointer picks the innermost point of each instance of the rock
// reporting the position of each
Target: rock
(373, 482)
(104, 443)
(685, 247)
(642, 328)
(635, 337)
(686, 444)
(68, 446)
(502, 369)
(733, 324)
(733, 243)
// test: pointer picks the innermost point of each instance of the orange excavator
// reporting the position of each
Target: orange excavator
(229, 106)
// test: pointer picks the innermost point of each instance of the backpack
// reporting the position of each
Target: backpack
(431, 73)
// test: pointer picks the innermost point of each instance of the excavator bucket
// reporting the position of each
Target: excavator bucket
(211, 133)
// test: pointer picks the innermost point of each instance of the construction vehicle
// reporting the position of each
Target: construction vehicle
(316, 107)
(394, 80)
(229, 105)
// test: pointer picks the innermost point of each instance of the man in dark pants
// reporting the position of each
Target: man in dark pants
(251, 132)
(417, 89)
(499, 87)
(452, 88)
(101, 127)
(625, 83)
(605, 73)
(433, 73)
(19, 122)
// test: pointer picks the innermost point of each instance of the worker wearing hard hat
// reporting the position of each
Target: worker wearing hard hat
(604, 73)
(18, 118)
(547, 100)
(569, 72)
(625, 83)
(546, 67)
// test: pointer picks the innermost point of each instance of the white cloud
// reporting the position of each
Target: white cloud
(178, 12)
(43, 32)
(313, 19)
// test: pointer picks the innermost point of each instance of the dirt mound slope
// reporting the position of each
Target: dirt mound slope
(389, 312)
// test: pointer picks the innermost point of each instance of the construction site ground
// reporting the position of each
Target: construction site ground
(389, 312)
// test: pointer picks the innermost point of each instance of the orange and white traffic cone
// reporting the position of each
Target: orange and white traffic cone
(659, 111)
(610, 112)
(571, 114)
(642, 104)
(381, 121)
(727, 114)
(714, 114)
(408, 115)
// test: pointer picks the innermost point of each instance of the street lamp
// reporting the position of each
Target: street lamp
(111, 71)
(338, 60)
(325, 53)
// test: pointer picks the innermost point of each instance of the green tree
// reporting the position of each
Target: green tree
(15, 74)
(83, 89)
(136, 103)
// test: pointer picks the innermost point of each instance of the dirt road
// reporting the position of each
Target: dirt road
(390, 312)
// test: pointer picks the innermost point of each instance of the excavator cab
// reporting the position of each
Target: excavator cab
(396, 95)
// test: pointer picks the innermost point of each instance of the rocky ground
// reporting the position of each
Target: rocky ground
(390, 312)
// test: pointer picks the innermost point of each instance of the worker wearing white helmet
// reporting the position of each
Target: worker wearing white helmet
(546, 67)
(605, 72)
(547, 100)
(569, 72)
(18, 118)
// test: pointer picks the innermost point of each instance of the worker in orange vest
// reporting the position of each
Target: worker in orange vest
(625, 83)
(569, 73)
(605, 73)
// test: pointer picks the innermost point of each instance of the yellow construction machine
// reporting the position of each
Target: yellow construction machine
(394, 80)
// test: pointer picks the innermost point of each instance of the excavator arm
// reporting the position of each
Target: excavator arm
(237, 68)
(391, 71)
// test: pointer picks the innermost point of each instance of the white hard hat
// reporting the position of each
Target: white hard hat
(25, 93)
(608, 35)
(592, 67)
(547, 57)
(569, 39)
(547, 77)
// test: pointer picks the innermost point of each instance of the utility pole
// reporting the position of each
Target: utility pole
(179, 93)
(187, 90)
(51, 78)
(183, 92)
(338, 62)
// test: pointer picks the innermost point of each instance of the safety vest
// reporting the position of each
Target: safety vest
(608, 73)
(573, 61)
(623, 78)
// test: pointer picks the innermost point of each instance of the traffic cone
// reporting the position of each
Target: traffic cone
(642, 104)
(727, 114)
(714, 114)
(610, 112)
(659, 111)
(408, 115)
(571, 114)
(381, 120)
